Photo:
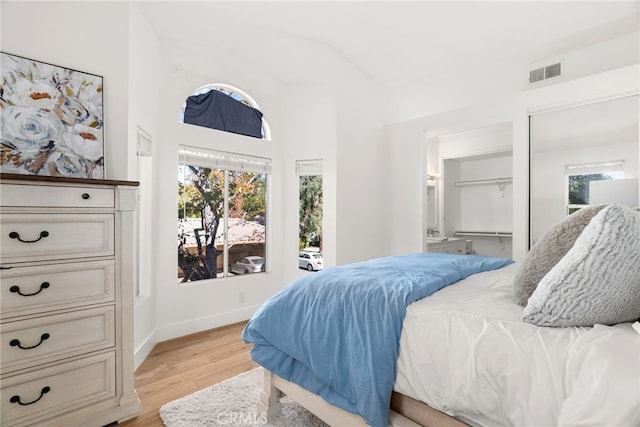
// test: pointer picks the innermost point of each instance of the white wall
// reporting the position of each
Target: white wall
(362, 173)
(310, 133)
(405, 199)
(41, 31)
(144, 94)
(485, 140)
(600, 57)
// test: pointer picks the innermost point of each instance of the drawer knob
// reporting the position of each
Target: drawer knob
(16, 289)
(16, 235)
(86, 196)
(17, 399)
(16, 342)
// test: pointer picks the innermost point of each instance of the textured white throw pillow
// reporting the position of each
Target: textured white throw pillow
(550, 248)
(598, 280)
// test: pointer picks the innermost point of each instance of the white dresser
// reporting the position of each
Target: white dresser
(66, 298)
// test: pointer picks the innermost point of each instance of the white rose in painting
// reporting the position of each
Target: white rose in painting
(68, 164)
(86, 142)
(29, 130)
(71, 111)
(37, 94)
(72, 165)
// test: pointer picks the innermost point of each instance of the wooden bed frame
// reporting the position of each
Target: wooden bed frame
(405, 411)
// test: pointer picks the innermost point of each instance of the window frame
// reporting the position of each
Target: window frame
(228, 162)
(143, 244)
(615, 167)
(312, 167)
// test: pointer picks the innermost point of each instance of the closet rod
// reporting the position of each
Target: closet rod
(484, 181)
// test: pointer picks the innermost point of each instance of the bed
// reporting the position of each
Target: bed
(465, 353)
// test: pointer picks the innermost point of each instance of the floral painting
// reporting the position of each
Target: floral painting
(50, 120)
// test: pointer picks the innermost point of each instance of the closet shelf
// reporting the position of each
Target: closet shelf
(484, 233)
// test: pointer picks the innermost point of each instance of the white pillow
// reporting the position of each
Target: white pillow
(550, 248)
(598, 280)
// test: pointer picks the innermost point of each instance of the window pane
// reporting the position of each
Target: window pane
(578, 188)
(200, 218)
(310, 234)
(221, 222)
(247, 219)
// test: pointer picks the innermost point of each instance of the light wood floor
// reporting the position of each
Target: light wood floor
(184, 365)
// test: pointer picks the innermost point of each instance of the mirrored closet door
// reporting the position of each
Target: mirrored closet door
(581, 156)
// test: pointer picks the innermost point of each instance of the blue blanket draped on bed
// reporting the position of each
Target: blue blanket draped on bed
(336, 332)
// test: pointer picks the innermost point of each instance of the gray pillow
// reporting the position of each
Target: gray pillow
(548, 250)
(598, 280)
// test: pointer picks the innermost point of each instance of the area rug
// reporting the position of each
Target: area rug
(234, 402)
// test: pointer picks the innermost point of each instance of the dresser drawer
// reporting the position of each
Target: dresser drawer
(30, 290)
(31, 342)
(35, 237)
(48, 392)
(43, 196)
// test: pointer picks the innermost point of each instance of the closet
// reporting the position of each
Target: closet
(476, 183)
(478, 199)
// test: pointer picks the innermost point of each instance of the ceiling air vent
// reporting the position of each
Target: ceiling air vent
(544, 73)
(536, 75)
(553, 70)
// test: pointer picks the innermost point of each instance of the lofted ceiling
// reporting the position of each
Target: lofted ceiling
(427, 56)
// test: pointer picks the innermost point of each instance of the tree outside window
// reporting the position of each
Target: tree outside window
(310, 234)
(221, 221)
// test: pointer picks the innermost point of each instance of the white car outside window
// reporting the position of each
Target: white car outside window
(311, 261)
(248, 264)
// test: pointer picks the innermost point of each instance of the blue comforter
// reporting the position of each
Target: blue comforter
(336, 332)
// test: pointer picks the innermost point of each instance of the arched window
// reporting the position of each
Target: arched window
(222, 203)
(224, 107)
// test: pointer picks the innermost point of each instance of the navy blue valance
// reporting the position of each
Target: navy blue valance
(217, 110)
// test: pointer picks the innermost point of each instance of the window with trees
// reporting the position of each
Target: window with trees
(579, 178)
(222, 199)
(310, 205)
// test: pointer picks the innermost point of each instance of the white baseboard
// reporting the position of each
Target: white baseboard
(175, 330)
(143, 350)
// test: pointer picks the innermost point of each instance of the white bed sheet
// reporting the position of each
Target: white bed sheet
(465, 351)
